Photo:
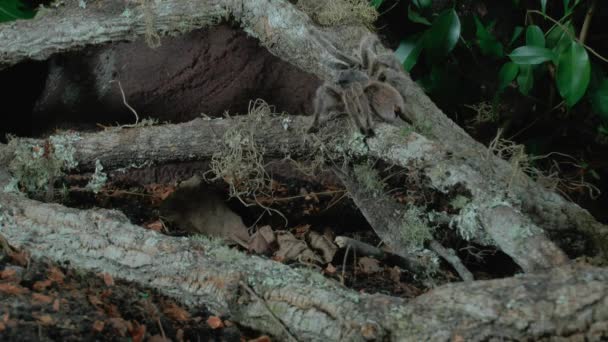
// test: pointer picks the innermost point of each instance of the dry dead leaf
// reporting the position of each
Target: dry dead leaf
(119, 325)
(369, 265)
(12, 289)
(159, 192)
(98, 326)
(302, 230)
(258, 245)
(330, 269)
(262, 338)
(7, 273)
(156, 226)
(215, 322)
(291, 248)
(199, 209)
(42, 284)
(41, 298)
(56, 275)
(395, 274)
(107, 279)
(268, 234)
(95, 301)
(176, 312)
(44, 319)
(321, 243)
(138, 332)
(56, 305)
(261, 240)
(20, 258)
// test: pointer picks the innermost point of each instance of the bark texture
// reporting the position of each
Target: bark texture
(567, 302)
(290, 34)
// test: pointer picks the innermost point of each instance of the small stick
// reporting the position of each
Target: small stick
(364, 249)
(451, 257)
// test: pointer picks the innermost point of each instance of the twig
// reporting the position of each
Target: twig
(365, 249)
(587, 23)
(272, 315)
(451, 257)
(344, 264)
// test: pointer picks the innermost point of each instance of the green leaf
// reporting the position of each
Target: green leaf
(557, 34)
(543, 6)
(13, 10)
(416, 17)
(599, 99)
(535, 36)
(489, 45)
(443, 34)
(573, 73)
(377, 3)
(422, 4)
(516, 33)
(408, 51)
(507, 74)
(531, 55)
(525, 80)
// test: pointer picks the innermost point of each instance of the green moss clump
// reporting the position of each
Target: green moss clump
(368, 177)
(99, 178)
(36, 166)
(415, 230)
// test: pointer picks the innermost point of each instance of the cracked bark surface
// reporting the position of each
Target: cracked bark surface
(568, 301)
(287, 33)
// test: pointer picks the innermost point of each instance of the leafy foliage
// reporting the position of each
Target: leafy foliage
(13, 10)
(550, 59)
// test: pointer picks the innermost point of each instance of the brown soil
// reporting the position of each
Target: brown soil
(205, 71)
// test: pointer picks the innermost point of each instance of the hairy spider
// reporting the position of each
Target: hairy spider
(360, 89)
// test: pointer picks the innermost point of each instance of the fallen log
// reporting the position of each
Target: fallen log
(200, 139)
(569, 302)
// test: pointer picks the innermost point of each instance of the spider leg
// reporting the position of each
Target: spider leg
(327, 99)
(368, 50)
(355, 107)
(361, 111)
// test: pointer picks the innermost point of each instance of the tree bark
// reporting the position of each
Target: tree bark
(291, 35)
(199, 139)
(566, 302)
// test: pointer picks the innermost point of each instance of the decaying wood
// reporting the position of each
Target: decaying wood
(287, 33)
(199, 139)
(568, 301)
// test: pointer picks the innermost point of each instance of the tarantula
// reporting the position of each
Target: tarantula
(360, 89)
